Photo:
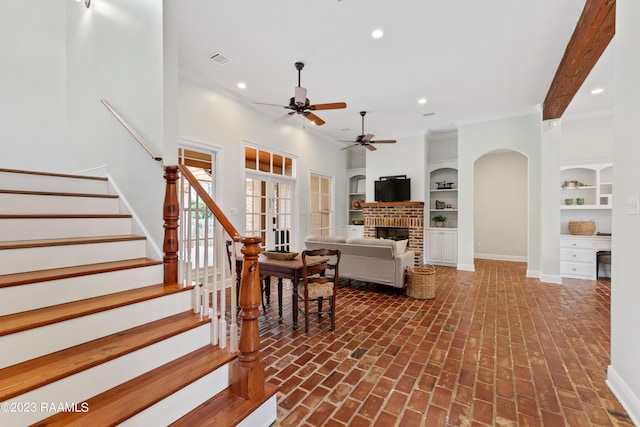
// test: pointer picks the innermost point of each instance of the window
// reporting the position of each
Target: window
(269, 198)
(256, 159)
(321, 206)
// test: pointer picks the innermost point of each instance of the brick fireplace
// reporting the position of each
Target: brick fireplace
(408, 215)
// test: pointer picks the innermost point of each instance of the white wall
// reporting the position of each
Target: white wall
(115, 51)
(406, 157)
(624, 374)
(587, 139)
(500, 206)
(33, 84)
(521, 134)
(210, 117)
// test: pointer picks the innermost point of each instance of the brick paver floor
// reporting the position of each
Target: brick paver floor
(493, 348)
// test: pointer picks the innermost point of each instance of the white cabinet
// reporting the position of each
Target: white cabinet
(578, 255)
(442, 246)
(357, 193)
(353, 231)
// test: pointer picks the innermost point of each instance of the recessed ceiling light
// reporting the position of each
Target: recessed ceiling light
(242, 85)
(376, 34)
(597, 91)
(422, 101)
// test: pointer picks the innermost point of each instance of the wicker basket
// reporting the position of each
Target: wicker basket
(421, 282)
(582, 228)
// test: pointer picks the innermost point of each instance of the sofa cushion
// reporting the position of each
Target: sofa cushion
(330, 239)
(401, 246)
(398, 246)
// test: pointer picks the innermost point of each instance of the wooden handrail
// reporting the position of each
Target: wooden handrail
(132, 131)
(208, 201)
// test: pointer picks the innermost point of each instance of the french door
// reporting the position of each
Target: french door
(269, 211)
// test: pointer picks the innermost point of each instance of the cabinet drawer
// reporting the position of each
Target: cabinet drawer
(577, 269)
(576, 243)
(577, 255)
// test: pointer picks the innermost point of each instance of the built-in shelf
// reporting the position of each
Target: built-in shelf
(593, 184)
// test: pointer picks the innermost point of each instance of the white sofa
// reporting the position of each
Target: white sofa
(368, 259)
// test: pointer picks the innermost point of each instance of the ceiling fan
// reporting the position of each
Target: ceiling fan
(365, 139)
(300, 104)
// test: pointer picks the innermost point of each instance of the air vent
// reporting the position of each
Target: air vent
(428, 114)
(220, 58)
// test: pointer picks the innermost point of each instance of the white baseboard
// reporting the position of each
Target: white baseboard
(466, 267)
(549, 278)
(629, 401)
(499, 257)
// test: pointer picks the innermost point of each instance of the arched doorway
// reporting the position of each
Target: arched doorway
(501, 206)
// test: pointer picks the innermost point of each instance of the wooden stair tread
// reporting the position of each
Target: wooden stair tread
(31, 374)
(23, 244)
(17, 322)
(126, 400)
(61, 175)
(75, 271)
(62, 216)
(55, 193)
(225, 409)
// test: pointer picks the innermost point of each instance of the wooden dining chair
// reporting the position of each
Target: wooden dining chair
(319, 282)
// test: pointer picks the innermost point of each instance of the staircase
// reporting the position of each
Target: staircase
(89, 333)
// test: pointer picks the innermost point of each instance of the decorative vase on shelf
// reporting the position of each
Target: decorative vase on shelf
(568, 201)
(579, 201)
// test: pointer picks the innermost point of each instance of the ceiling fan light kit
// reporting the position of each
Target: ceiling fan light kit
(300, 104)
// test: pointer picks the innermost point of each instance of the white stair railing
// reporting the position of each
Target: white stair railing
(204, 263)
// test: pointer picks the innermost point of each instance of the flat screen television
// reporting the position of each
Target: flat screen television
(392, 189)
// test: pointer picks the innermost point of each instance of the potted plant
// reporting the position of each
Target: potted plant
(439, 220)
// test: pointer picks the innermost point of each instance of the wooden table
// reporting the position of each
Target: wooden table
(282, 269)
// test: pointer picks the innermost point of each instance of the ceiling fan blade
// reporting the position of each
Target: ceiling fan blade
(331, 106)
(300, 95)
(271, 105)
(351, 146)
(367, 137)
(384, 141)
(315, 119)
(370, 147)
(286, 116)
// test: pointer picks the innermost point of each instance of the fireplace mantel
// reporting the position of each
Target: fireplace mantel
(391, 204)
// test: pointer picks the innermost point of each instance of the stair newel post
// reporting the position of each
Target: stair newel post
(247, 374)
(171, 214)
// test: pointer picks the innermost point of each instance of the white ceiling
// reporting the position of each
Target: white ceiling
(473, 60)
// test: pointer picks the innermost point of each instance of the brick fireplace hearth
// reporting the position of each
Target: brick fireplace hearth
(397, 214)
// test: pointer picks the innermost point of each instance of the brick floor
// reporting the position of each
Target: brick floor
(493, 348)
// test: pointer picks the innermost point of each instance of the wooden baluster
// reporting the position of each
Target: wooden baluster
(247, 373)
(170, 214)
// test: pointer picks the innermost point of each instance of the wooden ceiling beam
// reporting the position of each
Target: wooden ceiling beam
(593, 32)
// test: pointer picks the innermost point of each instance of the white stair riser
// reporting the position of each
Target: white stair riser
(47, 339)
(34, 182)
(183, 401)
(27, 204)
(15, 299)
(83, 385)
(264, 416)
(60, 228)
(45, 258)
